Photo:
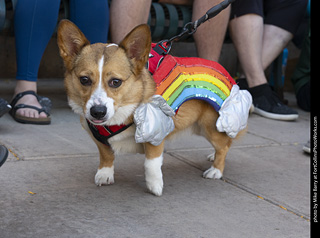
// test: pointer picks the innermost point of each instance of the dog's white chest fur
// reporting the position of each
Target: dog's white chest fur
(124, 142)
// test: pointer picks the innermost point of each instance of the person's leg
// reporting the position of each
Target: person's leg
(250, 36)
(92, 17)
(282, 20)
(247, 35)
(34, 23)
(275, 39)
(210, 36)
(125, 15)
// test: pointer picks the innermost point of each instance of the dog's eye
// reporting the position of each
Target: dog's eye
(85, 81)
(115, 83)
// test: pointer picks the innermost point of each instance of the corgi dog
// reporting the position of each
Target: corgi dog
(106, 83)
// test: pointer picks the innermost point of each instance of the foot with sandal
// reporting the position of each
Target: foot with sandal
(34, 24)
(28, 107)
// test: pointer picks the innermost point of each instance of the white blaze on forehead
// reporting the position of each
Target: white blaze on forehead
(101, 62)
(99, 96)
(99, 93)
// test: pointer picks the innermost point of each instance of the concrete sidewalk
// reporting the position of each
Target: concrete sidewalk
(47, 185)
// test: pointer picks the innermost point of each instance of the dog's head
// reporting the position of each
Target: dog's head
(105, 82)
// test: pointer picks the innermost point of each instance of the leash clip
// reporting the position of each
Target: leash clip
(191, 27)
(163, 47)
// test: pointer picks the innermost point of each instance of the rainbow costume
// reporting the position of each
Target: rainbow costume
(181, 79)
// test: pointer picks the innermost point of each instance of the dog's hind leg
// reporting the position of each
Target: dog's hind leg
(221, 142)
(152, 166)
(105, 171)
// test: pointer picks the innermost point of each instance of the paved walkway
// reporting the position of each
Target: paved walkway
(47, 185)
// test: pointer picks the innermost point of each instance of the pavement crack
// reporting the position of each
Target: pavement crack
(264, 137)
(243, 188)
(182, 159)
(14, 154)
(269, 200)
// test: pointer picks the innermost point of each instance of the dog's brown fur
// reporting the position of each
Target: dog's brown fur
(127, 62)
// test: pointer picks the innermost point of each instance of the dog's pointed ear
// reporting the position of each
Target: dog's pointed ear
(70, 41)
(137, 45)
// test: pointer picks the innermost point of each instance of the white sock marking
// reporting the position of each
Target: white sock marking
(212, 172)
(104, 176)
(153, 175)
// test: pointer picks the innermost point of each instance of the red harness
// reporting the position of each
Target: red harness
(103, 133)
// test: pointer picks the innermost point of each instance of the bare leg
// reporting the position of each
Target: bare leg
(247, 34)
(275, 39)
(257, 45)
(125, 15)
(210, 36)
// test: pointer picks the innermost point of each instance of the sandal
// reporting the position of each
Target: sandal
(44, 102)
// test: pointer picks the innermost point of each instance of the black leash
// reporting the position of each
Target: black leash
(164, 46)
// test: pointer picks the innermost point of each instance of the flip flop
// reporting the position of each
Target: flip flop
(44, 102)
(3, 154)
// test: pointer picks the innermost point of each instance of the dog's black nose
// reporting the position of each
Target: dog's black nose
(98, 111)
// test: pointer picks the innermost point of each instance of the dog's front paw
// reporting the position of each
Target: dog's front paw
(104, 176)
(155, 186)
(212, 173)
